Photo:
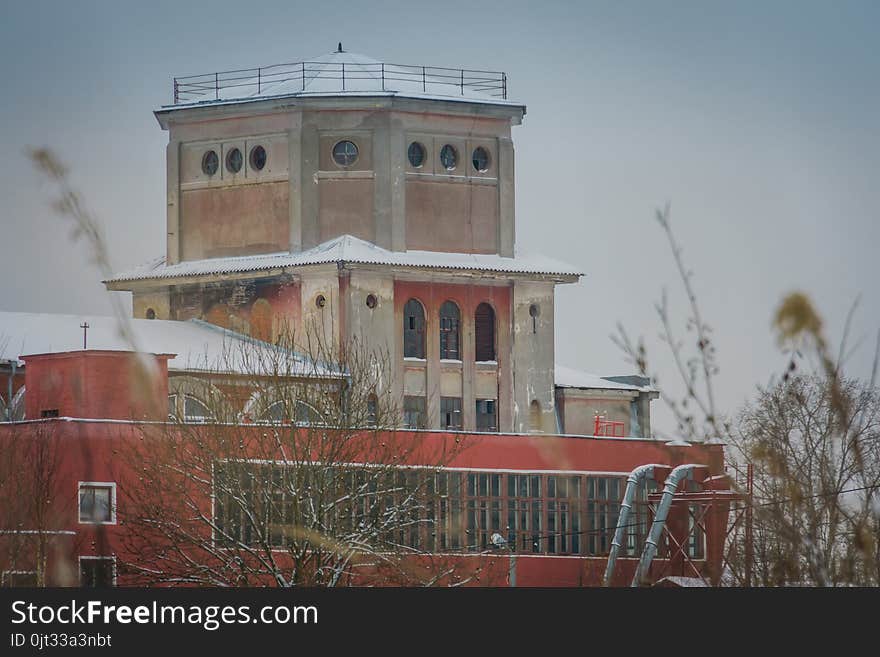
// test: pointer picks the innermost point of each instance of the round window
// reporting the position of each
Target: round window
(448, 157)
(345, 153)
(258, 158)
(480, 159)
(372, 301)
(150, 314)
(534, 310)
(416, 154)
(210, 162)
(320, 301)
(234, 160)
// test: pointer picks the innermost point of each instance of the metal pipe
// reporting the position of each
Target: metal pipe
(678, 473)
(635, 478)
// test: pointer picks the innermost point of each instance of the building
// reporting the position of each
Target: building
(346, 199)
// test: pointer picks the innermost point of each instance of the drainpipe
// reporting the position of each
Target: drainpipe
(669, 488)
(636, 477)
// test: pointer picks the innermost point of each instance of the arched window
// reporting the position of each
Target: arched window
(484, 332)
(275, 414)
(450, 331)
(195, 411)
(307, 415)
(535, 415)
(413, 330)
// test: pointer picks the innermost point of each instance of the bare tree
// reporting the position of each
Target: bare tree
(811, 440)
(815, 483)
(34, 511)
(309, 482)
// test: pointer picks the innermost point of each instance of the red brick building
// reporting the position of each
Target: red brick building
(347, 200)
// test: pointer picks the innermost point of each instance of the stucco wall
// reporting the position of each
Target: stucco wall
(533, 357)
(436, 378)
(231, 221)
(303, 197)
(451, 216)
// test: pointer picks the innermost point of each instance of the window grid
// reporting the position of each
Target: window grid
(538, 513)
(97, 502)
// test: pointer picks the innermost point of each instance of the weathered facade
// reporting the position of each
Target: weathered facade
(416, 182)
(347, 200)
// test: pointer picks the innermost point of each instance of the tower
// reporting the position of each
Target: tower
(369, 200)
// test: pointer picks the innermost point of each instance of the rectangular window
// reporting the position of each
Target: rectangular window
(525, 511)
(49, 412)
(97, 502)
(487, 415)
(484, 505)
(563, 514)
(450, 413)
(97, 572)
(603, 506)
(414, 415)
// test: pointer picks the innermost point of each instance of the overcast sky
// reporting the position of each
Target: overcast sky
(757, 121)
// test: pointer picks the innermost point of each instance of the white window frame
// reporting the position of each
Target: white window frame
(89, 557)
(195, 419)
(96, 484)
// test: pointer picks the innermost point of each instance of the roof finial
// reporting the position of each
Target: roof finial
(339, 47)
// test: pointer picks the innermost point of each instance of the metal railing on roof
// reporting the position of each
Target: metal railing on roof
(242, 83)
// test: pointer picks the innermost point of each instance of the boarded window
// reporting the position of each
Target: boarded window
(450, 412)
(413, 330)
(484, 332)
(450, 331)
(535, 415)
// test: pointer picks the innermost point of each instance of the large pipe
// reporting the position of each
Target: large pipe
(678, 473)
(632, 482)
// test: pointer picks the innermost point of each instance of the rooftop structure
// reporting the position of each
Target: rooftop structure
(340, 72)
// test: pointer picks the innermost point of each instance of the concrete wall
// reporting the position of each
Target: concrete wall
(158, 300)
(434, 378)
(578, 409)
(262, 309)
(303, 197)
(533, 357)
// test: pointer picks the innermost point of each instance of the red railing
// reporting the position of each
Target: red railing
(255, 81)
(608, 427)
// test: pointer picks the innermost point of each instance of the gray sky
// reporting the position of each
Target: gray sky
(758, 121)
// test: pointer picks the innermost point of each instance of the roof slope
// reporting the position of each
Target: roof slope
(347, 248)
(199, 346)
(566, 377)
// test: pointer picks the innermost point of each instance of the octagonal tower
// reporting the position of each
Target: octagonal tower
(368, 199)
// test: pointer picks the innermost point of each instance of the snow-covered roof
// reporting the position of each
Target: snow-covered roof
(341, 73)
(566, 377)
(349, 249)
(199, 346)
(682, 581)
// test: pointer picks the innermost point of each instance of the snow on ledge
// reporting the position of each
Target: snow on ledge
(350, 249)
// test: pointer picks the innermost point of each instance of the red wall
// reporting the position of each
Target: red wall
(97, 384)
(91, 452)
